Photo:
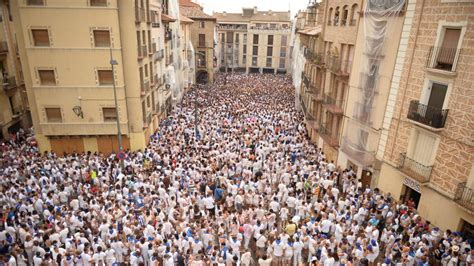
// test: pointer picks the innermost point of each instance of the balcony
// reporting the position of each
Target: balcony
(142, 51)
(414, 169)
(159, 55)
(333, 105)
(315, 58)
(306, 112)
(140, 15)
(147, 120)
(3, 47)
(145, 86)
(427, 115)
(464, 196)
(368, 84)
(305, 79)
(360, 142)
(443, 58)
(9, 83)
(152, 49)
(340, 67)
(328, 136)
(231, 27)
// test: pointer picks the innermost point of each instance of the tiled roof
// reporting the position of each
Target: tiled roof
(194, 13)
(185, 19)
(166, 18)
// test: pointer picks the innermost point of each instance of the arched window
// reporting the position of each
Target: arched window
(345, 16)
(330, 17)
(336, 17)
(354, 15)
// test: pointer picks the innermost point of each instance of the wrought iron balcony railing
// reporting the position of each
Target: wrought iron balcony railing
(464, 196)
(427, 115)
(443, 58)
(414, 169)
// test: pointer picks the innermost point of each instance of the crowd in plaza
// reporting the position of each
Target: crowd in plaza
(230, 178)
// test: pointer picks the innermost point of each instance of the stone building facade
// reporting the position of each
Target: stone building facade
(427, 139)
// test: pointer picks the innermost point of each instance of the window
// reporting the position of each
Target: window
(284, 40)
(202, 24)
(237, 38)
(270, 39)
(35, 2)
(53, 115)
(101, 38)
(255, 39)
(269, 51)
(353, 17)
(40, 37)
(146, 71)
(255, 50)
(110, 114)
(244, 59)
(423, 147)
(47, 77)
(269, 62)
(245, 38)
(245, 49)
(282, 63)
(222, 37)
(105, 77)
(345, 15)
(282, 51)
(148, 103)
(98, 2)
(329, 17)
(254, 61)
(230, 37)
(202, 40)
(444, 56)
(336, 17)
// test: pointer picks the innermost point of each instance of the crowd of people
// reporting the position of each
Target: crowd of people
(230, 178)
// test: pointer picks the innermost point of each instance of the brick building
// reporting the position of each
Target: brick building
(427, 140)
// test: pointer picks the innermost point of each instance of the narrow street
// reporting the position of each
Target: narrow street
(242, 187)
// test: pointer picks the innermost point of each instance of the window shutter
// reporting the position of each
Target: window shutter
(47, 77)
(53, 115)
(105, 77)
(110, 114)
(40, 37)
(102, 38)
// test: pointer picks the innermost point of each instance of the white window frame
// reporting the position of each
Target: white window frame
(426, 92)
(442, 25)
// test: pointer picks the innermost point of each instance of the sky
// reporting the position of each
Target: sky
(235, 6)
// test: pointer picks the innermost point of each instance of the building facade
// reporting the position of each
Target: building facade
(14, 109)
(75, 54)
(428, 131)
(254, 41)
(202, 39)
(329, 51)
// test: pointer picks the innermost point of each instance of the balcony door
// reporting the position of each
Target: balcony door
(435, 102)
(448, 51)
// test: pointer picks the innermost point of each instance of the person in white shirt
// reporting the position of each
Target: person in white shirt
(265, 261)
(278, 251)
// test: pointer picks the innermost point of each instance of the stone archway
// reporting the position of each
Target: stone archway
(202, 77)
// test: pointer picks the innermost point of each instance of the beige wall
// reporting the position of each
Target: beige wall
(75, 60)
(446, 214)
(208, 30)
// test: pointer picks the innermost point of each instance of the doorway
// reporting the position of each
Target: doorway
(366, 178)
(467, 230)
(435, 104)
(411, 195)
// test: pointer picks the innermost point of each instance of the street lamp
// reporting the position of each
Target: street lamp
(113, 63)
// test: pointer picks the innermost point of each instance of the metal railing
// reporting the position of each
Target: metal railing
(443, 58)
(140, 15)
(338, 66)
(414, 169)
(333, 105)
(427, 115)
(464, 196)
(9, 83)
(159, 55)
(145, 85)
(3, 47)
(142, 51)
(328, 136)
(231, 27)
